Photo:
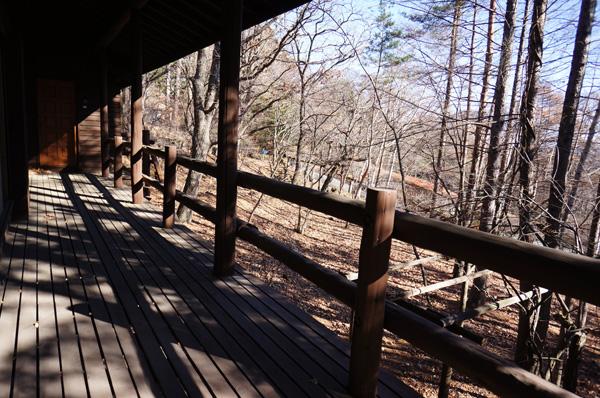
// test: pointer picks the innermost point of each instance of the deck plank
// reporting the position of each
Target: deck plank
(94, 288)
(197, 250)
(96, 371)
(147, 341)
(10, 306)
(333, 346)
(25, 366)
(49, 359)
(307, 375)
(73, 366)
(99, 300)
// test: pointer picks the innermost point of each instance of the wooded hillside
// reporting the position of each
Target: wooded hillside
(479, 112)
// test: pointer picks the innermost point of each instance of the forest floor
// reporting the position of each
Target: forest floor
(335, 245)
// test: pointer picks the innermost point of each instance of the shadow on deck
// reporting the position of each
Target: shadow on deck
(98, 299)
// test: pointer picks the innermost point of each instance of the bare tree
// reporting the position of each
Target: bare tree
(477, 296)
(204, 100)
(524, 352)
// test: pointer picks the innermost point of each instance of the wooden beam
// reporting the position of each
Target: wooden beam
(104, 118)
(118, 161)
(136, 111)
(229, 107)
(496, 305)
(367, 328)
(440, 285)
(170, 184)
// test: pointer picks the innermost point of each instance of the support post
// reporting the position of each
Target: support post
(118, 162)
(229, 104)
(136, 111)
(367, 327)
(170, 186)
(17, 127)
(146, 161)
(104, 142)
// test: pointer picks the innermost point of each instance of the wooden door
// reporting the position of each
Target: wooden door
(56, 124)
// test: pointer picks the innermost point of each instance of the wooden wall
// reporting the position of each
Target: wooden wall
(88, 136)
(88, 143)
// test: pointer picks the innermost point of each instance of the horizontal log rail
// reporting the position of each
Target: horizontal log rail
(565, 273)
(570, 274)
(154, 151)
(350, 210)
(197, 206)
(500, 376)
(330, 281)
(437, 317)
(197, 165)
(153, 182)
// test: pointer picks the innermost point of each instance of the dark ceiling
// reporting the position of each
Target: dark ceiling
(74, 30)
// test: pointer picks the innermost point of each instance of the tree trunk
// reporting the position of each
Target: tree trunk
(175, 110)
(204, 102)
(463, 205)
(439, 160)
(481, 113)
(524, 354)
(566, 129)
(477, 296)
(563, 150)
(580, 165)
(578, 339)
(508, 150)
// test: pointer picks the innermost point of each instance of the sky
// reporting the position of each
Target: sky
(560, 30)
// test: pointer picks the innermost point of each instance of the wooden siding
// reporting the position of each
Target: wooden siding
(88, 136)
(88, 143)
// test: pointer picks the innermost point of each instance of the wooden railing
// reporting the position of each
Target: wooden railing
(573, 275)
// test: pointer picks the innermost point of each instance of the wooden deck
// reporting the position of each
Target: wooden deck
(98, 300)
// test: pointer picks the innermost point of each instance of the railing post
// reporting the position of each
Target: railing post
(227, 137)
(118, 161)
(170, 186)
(146, 160)
(367, 327)
(136, 111)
